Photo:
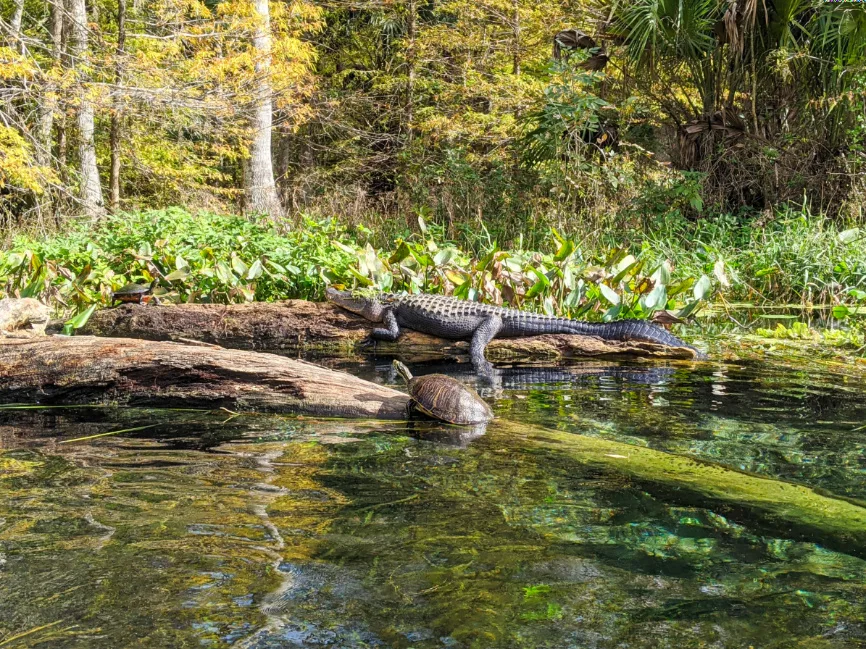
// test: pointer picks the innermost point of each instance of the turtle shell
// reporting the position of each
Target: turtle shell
(445, 398)
(132, 292)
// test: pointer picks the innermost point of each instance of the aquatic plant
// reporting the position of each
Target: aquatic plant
(211, 258)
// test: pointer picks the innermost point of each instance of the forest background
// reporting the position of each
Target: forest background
(726, 138)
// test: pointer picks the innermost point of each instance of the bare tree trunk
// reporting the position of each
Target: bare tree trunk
(411, 36)
(17, 16)
(116, 115)
(515, 63)
(91, 190)
(48, 106)
(62, 132)
(261, 189)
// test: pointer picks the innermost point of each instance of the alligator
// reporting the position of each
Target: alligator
(453, 318)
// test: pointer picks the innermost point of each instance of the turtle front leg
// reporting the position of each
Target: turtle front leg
(485, 332)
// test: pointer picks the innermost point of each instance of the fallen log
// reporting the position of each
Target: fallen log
(783, 508)
(312, 327)
(87, 369)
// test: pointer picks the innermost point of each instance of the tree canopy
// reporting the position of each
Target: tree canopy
(495, 112)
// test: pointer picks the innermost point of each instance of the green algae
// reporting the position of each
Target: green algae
(677, 509)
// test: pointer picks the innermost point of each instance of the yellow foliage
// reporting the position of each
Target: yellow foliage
(17, 165)
(14, 65)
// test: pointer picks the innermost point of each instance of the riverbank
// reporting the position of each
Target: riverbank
(804, 279)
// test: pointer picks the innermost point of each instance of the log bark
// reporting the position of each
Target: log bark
(300, 326)
(86, 369)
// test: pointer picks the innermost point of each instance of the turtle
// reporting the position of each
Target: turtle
(135, 293)
(444, 398)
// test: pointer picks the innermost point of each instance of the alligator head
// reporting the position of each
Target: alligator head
(367, 307)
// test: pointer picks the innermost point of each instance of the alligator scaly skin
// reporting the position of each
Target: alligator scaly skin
(453, 318)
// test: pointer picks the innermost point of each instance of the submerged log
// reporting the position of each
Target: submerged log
(785, 509)
(300, 326)
(86, 369)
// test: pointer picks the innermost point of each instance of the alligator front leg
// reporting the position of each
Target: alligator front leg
(390, 332)
(485, 332)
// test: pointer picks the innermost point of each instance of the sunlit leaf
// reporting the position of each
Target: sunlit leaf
(847, 236)
(255, 270)
(565, 249)
(662, 274)
(239, 266)
(612, 313)
(702, 288)
(443, 256)
(456, 278)
(840, 312)
(573, 298)
(719, 273)
(81, 319)
(224, 273)
(609, 294)
(400, 253)
(689, 309)
(655, 299)
(633, 267)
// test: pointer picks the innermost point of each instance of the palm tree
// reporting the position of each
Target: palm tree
(728, 70)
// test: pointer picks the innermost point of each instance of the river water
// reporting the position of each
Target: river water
(195, 529)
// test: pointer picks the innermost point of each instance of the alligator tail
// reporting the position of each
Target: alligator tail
(625, 330)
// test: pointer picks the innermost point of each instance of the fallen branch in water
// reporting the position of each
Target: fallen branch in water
(300, 326)
(788, 510)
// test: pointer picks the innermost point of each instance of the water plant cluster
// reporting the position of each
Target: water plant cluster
(224, 259)
(210, 258)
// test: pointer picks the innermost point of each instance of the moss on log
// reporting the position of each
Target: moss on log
(300, 326)
(87, 369)
(789, 510)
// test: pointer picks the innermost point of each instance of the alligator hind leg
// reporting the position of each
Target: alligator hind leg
(485, 332)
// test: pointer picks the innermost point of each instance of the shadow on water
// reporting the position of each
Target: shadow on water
(210, 529)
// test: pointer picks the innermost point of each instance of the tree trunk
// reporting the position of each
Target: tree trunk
(63, 104)
(411, 53)
(48, 106)
(301, 326)
(91, 189)
(515, 62)
(261, 189)
(83, 369)
(17, 16)
(116, 115)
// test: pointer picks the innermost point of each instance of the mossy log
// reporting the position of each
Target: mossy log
(785, 509)
(300, 326)
(87, 369)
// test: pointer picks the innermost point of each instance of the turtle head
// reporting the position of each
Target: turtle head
(366, 306)
(402, 370)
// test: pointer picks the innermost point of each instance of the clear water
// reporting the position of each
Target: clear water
(210, 530)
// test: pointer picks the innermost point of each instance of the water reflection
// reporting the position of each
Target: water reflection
(213, 530)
